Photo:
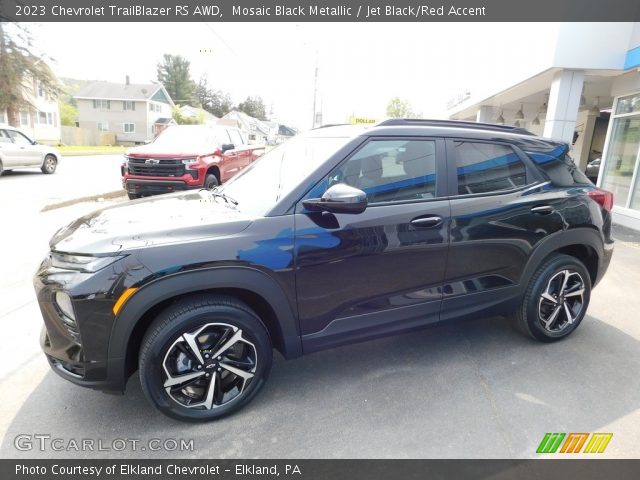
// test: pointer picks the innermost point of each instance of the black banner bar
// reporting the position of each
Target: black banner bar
(587, 469)
(319, 11)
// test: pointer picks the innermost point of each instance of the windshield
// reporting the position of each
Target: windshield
(278, 172)
(191, 137)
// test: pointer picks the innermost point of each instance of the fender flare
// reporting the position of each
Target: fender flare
(578, 236)
(244, 278)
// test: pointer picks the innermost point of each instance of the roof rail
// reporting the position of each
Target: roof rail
(454, 123)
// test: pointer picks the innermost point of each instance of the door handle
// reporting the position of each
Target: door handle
(426, 222)
(543, 209)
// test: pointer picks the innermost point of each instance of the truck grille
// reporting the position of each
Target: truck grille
(149, 167)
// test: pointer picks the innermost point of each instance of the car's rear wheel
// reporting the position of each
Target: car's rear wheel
(50, 164)
(133, 196)
(556, 299)
(211, 181)
(204, 357)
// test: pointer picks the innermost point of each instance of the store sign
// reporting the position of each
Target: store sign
(362, 121)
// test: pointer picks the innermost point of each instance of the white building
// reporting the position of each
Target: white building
(40, 120)
(581, 86)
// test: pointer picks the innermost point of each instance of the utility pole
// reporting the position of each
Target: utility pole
(315, 94)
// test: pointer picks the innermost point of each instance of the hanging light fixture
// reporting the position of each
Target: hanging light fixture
(520, 114)
(536, 121)
(500, 119)
(517, 123)
(595, 110)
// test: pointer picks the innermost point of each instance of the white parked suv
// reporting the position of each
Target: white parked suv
(17, 150)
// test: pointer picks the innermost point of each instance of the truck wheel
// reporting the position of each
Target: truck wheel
(49, 165)
(556, 299)
(211, 181)
(133, 196)
(1, 169)
(204, 357)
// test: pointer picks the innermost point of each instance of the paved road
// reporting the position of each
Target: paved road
(473, 389)
(28, 190)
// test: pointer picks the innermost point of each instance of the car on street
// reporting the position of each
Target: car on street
(187, 157)
(339, 235)
(593, 170)
(18, 151)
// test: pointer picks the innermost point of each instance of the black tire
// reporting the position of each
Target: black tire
(49, 165)
(211, 321)
(543, 314)
(211, 181)
(1, 169)
(133, 196)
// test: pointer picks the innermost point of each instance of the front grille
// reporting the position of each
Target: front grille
(165, 167)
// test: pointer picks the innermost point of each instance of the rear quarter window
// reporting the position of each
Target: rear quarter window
(559, 167)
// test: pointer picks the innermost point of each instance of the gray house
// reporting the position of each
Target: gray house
(135, 113)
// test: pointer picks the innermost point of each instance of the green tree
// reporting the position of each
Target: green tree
(68, 114)
(397, 108)
(173, 73)
(221, 104)
(182, 120)
(19, 68)
(254, 106)
(213, 101)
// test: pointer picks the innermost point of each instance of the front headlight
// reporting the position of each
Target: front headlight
(82, 263)
(189, 161)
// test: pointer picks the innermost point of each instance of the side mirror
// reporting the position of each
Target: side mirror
(340, 198)
(227, 146)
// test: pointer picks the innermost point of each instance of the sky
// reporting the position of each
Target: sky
(361, 66)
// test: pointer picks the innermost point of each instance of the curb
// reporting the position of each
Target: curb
(90, 198)
(89, 154)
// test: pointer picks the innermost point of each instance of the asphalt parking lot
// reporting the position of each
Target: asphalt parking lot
(465, 390)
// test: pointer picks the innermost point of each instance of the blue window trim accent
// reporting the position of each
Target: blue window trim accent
(632, 59)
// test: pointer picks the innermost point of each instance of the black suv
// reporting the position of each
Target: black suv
(339, 235)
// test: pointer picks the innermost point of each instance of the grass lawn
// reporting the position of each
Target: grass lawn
(71, 150)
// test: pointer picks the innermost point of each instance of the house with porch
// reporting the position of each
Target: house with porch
(135, 113)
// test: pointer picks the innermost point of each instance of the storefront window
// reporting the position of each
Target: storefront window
(629, 104)
(621, 158)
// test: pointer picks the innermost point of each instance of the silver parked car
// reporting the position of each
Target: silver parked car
(17, 150)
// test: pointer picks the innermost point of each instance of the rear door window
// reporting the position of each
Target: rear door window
(487, 167)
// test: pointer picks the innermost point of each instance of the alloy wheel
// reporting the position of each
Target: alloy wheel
(562, 301)
(209, 367)
(50, 163)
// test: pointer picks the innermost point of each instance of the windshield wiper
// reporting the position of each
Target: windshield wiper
(224, 196)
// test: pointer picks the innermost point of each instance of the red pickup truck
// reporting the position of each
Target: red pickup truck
(184, 157)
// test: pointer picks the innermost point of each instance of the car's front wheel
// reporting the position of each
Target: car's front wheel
(204, 357)
(556, 299)
(50, 164)
(211, 181)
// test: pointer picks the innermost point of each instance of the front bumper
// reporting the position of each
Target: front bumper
(78, 353)
(155, 187)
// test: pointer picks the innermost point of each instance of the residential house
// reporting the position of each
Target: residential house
(255, 130)
(135, 113)
(41, 119)
(285, 133)
(272, 133)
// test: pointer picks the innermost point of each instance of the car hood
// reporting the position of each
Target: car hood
(145, 151)
(177, 217)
